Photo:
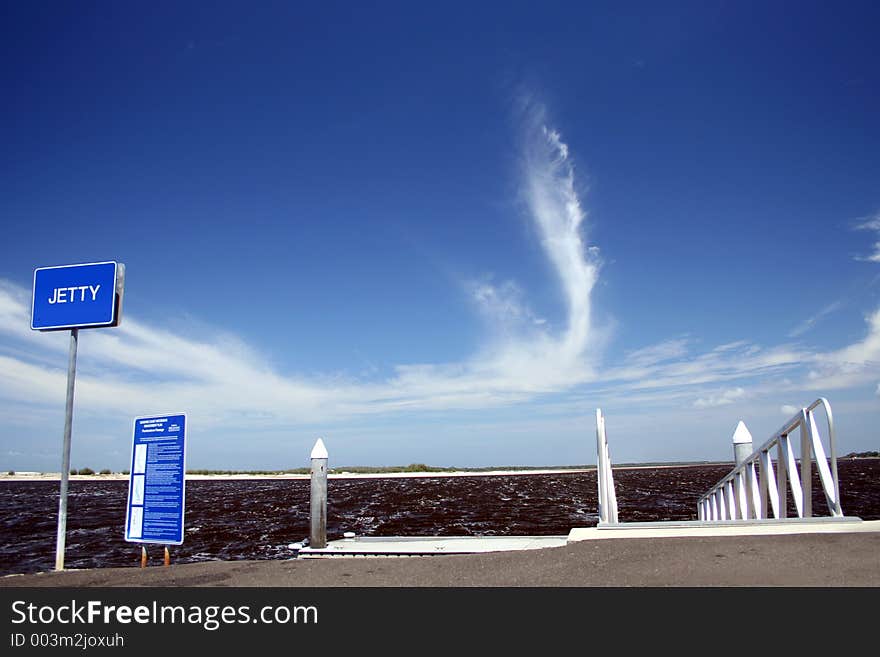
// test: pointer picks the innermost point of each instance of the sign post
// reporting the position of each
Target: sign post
(65, 453)
(72, 297)
(156, 484)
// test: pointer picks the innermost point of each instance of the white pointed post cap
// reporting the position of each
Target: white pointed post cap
(319, 451)
(741, 434)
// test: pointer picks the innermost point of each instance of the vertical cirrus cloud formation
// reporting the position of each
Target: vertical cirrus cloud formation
(527, 355)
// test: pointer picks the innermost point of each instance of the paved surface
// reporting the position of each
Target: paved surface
(826, 560)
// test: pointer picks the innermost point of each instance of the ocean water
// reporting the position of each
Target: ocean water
(258, 519)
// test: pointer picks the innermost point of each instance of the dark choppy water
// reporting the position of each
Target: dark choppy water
(257, 519)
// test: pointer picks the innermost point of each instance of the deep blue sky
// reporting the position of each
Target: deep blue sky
(334, 189)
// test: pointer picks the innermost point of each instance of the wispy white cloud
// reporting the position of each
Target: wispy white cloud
(871, 223)
(527, 356)
(504, 306)
(657, 353)
(854, 364)
(729, 362)
(558, 214)
(722, 398)
(810, 322)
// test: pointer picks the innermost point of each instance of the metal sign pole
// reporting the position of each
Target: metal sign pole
(65, 453)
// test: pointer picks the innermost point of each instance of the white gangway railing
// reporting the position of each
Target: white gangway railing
(607, 496)
(752, 490)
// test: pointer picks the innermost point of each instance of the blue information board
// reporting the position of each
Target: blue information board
(75, 296)
(156, 485)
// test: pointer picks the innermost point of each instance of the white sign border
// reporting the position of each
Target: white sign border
(62, 327)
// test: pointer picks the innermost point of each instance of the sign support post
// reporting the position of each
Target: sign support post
(65, 452)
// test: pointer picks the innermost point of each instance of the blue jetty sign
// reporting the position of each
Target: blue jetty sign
(156, 485)
(77, 296)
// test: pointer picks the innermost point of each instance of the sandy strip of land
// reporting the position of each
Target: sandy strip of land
(55, 476)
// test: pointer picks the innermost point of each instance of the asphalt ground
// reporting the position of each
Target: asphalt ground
(798, 560)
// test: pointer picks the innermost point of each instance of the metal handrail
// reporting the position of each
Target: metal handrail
(743, 495)
(605, 477)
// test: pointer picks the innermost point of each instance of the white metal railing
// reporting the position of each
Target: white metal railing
(607, 496)
(752, 490)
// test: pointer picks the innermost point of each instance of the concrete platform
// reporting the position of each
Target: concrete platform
(725, 528)
(402, 546)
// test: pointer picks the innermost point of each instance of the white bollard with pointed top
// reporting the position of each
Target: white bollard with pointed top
(742, 442)
(318, 533)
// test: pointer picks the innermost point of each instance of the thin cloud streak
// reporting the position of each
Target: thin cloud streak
(871, 223)
(810, 322)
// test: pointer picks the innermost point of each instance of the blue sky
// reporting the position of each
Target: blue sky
(443, 234)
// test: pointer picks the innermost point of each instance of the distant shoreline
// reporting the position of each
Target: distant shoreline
(342, 474)
(391, 474)
(55, 476)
